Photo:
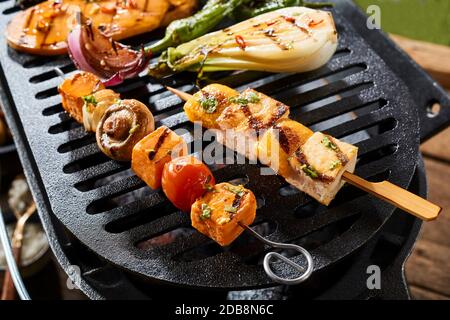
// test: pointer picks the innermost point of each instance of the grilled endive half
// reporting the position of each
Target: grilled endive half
(295, 39)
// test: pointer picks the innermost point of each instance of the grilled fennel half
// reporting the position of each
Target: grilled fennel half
(295, 39)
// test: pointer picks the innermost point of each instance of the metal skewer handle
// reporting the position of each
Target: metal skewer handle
(275, 255)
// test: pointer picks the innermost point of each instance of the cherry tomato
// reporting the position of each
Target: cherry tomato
(185, 179)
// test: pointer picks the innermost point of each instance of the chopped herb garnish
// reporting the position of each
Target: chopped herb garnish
(90, 99)
(238, 100)
(239, 190)
(251, 97)
(310, 171)
(230, 209)
(335, 164)
(329, 144)
(207, 186)
(206, 212)
(132, 130)
(209, 104)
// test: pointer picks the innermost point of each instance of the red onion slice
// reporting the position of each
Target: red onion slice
(111, 61)
(75, 52)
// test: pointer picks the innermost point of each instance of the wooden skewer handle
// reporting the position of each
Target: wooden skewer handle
(182, 95)
(397, 196)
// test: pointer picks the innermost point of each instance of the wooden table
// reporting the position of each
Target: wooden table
(428, 268)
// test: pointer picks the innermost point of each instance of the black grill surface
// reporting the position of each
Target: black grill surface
(359, 97)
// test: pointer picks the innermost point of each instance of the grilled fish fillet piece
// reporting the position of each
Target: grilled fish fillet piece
(206, 105)
(43, 28)
(279, 142)
(250, 114)
(217, 213)
(319, 164)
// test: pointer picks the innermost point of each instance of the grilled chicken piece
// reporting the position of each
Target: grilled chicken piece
(250, 114)
(43, 28)
(217, 213)
(279, 142)
(153, 152)
(74, 89)
(207, 104)
(320, 163)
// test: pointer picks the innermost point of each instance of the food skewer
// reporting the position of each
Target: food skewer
(219, 211)
(384, 190)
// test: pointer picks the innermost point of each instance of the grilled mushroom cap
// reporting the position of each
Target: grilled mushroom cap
(122, 126)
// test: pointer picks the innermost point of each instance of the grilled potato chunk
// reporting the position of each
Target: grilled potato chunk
(153, 152)
(279, 142)
(74, 88)
(249, 114)
(217, 213)
(320, 163)
(207, 104)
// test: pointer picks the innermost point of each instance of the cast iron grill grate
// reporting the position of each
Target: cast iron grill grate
(356, 97)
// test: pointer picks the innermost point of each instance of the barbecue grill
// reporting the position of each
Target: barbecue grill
(370, 94)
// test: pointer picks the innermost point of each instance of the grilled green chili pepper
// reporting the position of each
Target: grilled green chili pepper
(184, 30)
(254, 8)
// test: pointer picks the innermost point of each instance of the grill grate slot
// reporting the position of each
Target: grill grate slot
(133, 189)
(72, 145)
(143, 217)
(52, 110)
(46, 62)
(86, 162)
(362, 124)
(340, 107)
(47, 93)
(105, 178)
(165, 238)
(63, 126)
(377, 154)
(52, 74)
(11, 10)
